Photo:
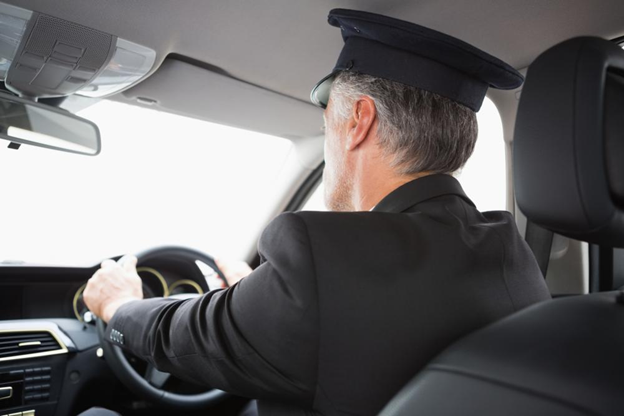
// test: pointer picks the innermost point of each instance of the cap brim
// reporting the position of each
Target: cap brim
(320, 93)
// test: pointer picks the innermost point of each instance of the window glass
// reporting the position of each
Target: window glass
(316, 201)
(484, 175)
(160, 179)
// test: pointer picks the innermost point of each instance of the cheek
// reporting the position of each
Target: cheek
(326, 149)
(331, 147)
(334, 153)
(327, 169)
(331, 158)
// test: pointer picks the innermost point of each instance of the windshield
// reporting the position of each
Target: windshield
(160, 179)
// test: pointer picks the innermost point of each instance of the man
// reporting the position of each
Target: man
(347, 306)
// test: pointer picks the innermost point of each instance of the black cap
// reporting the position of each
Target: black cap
(414, 55)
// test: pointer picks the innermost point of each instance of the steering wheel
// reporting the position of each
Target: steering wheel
(150, 385)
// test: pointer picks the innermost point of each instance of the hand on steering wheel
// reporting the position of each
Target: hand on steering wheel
(150, 385)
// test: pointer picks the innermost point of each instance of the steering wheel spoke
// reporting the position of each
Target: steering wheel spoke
(155, 377)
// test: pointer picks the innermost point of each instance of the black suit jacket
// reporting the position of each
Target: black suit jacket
(345, 307)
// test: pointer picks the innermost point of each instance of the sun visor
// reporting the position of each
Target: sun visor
(44, 56)
(184, 88)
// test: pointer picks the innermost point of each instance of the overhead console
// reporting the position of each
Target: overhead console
(44, 56)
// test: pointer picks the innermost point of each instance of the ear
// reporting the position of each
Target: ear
(362, 121)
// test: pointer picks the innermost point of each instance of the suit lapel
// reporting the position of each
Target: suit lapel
(419, 190)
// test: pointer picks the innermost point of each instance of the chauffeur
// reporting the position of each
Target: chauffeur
(347, 306)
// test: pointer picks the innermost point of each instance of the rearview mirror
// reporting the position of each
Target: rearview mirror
(27, 122)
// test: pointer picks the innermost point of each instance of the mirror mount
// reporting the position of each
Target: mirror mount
(29, 98)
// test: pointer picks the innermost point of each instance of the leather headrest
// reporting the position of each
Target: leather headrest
(569, 141)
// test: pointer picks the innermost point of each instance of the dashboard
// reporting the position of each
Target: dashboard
(155, 284)
(51, 362)
(35, 292)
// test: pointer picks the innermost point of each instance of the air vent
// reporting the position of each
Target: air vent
(16, 345)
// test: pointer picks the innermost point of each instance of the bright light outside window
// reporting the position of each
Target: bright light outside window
(483, 177)
(160, 179)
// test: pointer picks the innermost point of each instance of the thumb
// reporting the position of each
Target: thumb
(222, 264)
(107, 263)
(128, 262)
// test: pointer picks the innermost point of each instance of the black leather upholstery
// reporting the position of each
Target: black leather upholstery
(569, 123)
(614, 132)
(559, 357)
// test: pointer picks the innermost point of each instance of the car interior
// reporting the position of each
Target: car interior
(102, 79)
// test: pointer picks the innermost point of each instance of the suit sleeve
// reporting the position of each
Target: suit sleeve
(258, 338)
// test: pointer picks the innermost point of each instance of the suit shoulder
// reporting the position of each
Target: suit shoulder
(300, 225)
(286, 230)
(503, 221)
(286, 222)
(315, 217)
(309, 218)
(498, 215)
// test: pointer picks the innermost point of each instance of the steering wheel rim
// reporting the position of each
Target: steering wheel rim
(120, 366)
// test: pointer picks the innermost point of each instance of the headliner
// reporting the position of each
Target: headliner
(286, 46)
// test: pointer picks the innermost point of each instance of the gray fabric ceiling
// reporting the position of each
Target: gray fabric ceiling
(286, 46)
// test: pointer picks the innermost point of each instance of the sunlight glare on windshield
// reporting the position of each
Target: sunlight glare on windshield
(160, 179)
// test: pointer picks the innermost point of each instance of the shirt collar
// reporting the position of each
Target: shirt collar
(419, 190)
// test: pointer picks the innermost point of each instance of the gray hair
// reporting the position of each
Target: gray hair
(419, 131)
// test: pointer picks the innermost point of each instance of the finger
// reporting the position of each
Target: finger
(219, 262)
(128, 262)
(225, 266)
(215, 281)
(108, 263)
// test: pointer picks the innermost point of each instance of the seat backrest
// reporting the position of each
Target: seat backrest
(560, 357)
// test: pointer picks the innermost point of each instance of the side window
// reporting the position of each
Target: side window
(484, 177)
(316, 202)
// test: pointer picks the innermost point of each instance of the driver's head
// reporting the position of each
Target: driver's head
(400, 103)
(394, 131)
